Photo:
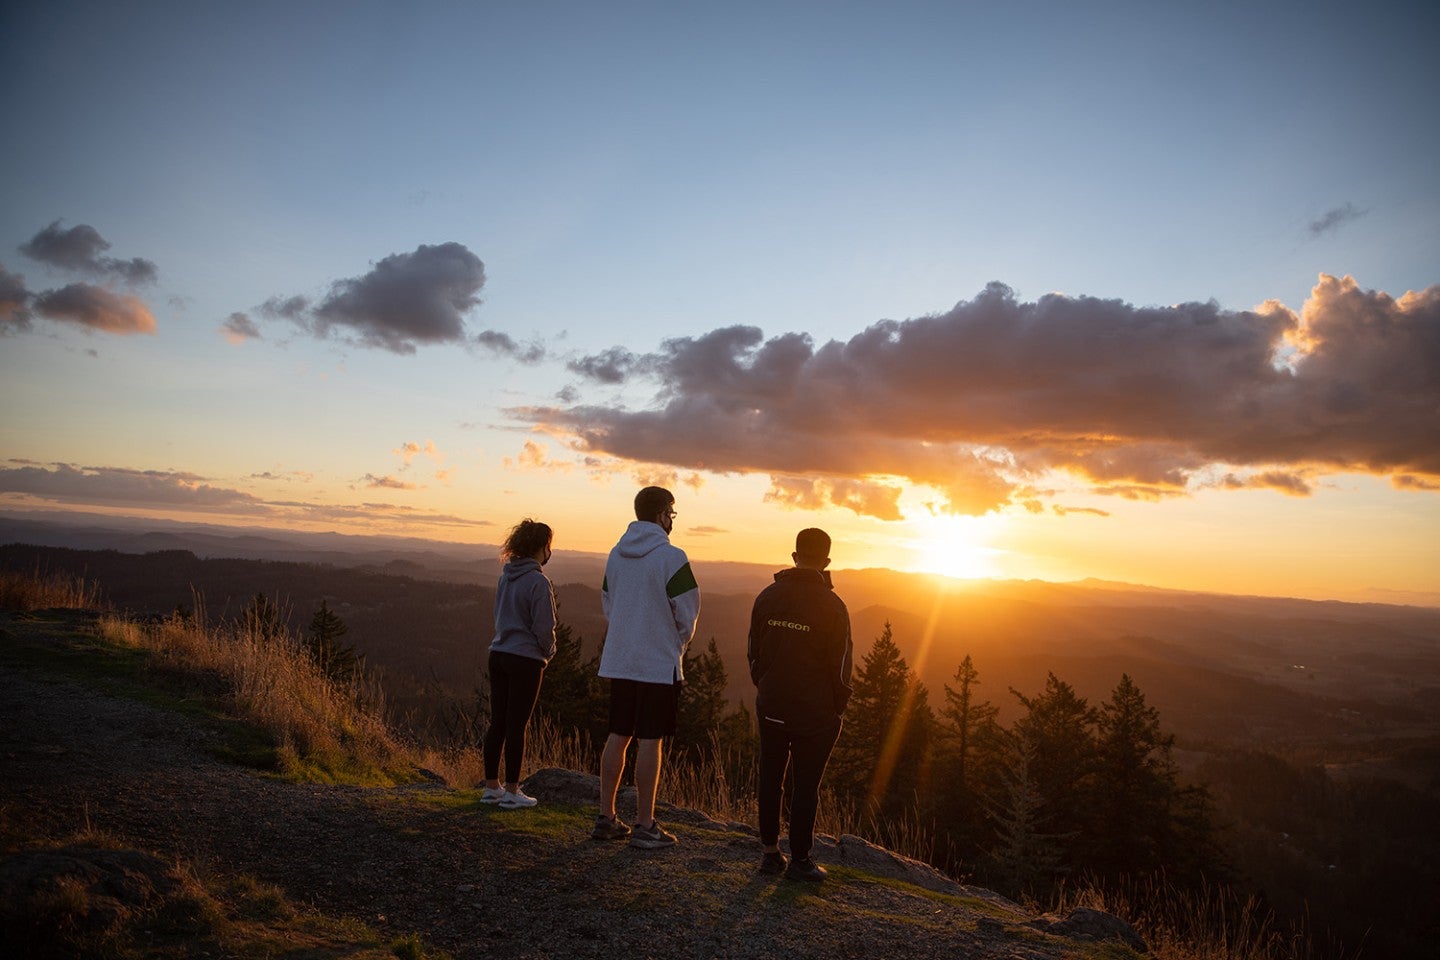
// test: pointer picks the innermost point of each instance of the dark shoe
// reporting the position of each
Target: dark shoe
(806, 869)
(652, 837)
(773, 863)
(610, 828)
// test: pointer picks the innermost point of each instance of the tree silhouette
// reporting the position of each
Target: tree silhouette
(1057, 726)
(1145, 818)
(961, 719)
(968, 732)
(884, 748)
(1024, 855)
(571, 694)
(339, 661)
(262, 619)
(702, 708)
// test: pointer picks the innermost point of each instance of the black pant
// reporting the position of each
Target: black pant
(514, 688)
(806, 754)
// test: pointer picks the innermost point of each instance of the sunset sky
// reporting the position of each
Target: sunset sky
(1144, 292)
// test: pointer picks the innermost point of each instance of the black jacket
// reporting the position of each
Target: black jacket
(800, 651)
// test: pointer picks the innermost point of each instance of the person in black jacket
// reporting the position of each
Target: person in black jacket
(800, 660)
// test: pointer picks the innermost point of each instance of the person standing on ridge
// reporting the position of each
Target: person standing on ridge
(800, 660)
(651, 600)
(524, 643)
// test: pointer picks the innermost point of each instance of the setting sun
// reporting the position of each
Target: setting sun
(956, 547)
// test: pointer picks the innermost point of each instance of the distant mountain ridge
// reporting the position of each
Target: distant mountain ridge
(1216, 666)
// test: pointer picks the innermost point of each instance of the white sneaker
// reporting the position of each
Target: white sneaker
(516, 800)
(492, 794)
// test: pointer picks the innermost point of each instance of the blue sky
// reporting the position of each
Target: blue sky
(632, 173)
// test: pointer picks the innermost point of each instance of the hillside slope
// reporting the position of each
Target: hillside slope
(428, 861)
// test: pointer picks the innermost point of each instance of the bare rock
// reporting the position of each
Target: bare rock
(1083, 923)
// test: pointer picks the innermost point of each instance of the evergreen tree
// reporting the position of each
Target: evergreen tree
(262, 619)
(884, 747)
(572, 695)
(1024, 856)
(702, 707)
(339, 661)
(1146, 819)
(1058, 726)
(968, 735)
(962, 718)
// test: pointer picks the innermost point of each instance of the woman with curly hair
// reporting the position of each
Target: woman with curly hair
(524, 643)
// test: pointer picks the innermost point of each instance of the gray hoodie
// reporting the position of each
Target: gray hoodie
(524, 611)
(652, 602)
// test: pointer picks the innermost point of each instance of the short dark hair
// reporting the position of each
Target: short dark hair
(650, 501)
(526, 538)
(812, 543)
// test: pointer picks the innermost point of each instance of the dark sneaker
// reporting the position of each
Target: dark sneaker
(806, 869)
(652, 837)
(773, 863)
(610, 828)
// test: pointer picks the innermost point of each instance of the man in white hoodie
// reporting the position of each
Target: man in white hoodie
(651, 601)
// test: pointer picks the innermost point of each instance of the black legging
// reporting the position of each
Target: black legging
(806, 754)
(514, 688)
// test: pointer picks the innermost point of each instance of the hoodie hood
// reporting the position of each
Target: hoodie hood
(642, 538)
(516, 569)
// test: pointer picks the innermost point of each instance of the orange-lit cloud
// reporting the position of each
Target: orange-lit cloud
(386, 483)
(982, 400)
(1066, 511)
(77, 251)
(864, 497)
(96, 308)
(1291, 484)
(410, 450)
(1407, 482)
(238, 328)
(536, 456)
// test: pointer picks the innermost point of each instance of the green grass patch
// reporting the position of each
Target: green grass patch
(547, 821)
(339, 769)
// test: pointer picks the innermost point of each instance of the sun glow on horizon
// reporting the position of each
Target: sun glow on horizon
(955, 547)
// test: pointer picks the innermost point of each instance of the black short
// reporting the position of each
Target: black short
(644, 710)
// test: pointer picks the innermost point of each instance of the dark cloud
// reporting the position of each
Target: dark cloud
(79, 250)
(612, 366)
(1332, 220)
(120, 487)
(407, 299)
(238, 327)
(991, 394)
(504, 344)
(123, 488)
(96, 308)
(285, 308)
(14, 302)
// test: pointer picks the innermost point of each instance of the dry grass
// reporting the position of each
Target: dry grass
(46, 591)
(1210, 924)
(323, 730)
